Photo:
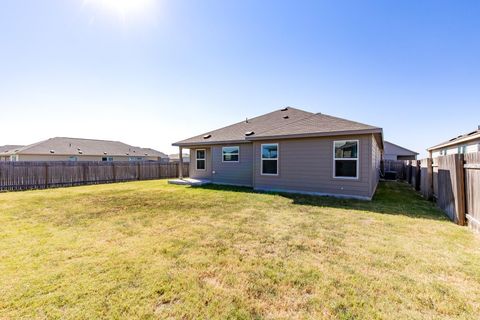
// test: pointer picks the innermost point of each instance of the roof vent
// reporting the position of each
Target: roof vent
(473, 132)
(285, 117)
(105, 153)
(146, 154)
(284, 109)
(207, 136)
(52, 151)
(80, 151)
(249, 133)
(127, 153)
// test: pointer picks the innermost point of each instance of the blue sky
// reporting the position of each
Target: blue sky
(158, 73)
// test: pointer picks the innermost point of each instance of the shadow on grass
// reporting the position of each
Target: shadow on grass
(395, 198)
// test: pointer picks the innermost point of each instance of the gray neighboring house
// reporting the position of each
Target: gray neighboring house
(395, 152)
(465, 143)
(76, 149)
(291, 150)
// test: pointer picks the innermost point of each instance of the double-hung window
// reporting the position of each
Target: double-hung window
(230, 154)
(462, 149)
(200, 159)
(345, 159)
(269, 159)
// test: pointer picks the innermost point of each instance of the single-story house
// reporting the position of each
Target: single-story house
(75, 149)
(4, 150)
(291, 150)
(465, 143)
(395, 152)
(176, 157)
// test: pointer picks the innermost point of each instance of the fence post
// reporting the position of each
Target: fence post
(418, 175)
(46, 175)
(429, 179)
(138, 171)
(84, 165)
(460, 189)
(114, 172)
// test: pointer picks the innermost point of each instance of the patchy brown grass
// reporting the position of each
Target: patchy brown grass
(152, 250)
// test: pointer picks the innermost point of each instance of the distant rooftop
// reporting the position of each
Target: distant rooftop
(92, 147)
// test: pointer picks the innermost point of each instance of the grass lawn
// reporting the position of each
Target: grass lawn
(153, 250)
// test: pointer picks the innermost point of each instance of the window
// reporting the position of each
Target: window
(230, 154)
(443, 152)
(107, 159)
(135, 158)
(14, 158)
(345, 159)
(200, 156)
(269, 159)
(462, 149)
(72, 158)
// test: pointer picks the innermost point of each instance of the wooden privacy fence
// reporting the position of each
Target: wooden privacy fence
(452, 181)
(42, 175)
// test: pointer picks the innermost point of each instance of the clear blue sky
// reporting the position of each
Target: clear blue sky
(161, 71)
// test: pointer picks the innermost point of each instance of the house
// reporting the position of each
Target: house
(291, 150)
(466, 143)
(395, 152)
(75, 149)
(6, 149)
(176, 157)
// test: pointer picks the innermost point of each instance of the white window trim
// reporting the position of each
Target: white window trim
(238, 154)
(204, 159)
(262, 158)
(349, 159)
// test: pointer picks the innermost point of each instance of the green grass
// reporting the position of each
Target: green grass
(153, 250)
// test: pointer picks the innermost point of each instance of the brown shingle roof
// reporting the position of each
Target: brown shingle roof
(282, 123)
(72, 146)
(7, 149)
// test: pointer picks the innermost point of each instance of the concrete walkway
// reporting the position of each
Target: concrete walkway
(190, 182)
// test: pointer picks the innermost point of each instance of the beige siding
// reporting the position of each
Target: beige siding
(31, 157)
(236, 173)
(375, 160)
(306, 165)
(472, 146)
(200, 174)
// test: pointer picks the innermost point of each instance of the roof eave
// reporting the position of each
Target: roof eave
(205, 143)
(318, 134)
(451, 143)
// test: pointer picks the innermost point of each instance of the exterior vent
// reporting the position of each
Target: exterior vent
(284, 109)
(285, 117)
(249, 133)
(207, 136)
(52, 151)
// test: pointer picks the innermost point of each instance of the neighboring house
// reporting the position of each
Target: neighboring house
(291, 150)
(466, 143)
(6, 149)
(175, 157)
(395, 152)
(74, 149)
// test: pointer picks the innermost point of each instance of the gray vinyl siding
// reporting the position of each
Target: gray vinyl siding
(375, 161)
(306, 165)
(200, 174)
(235, 173)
